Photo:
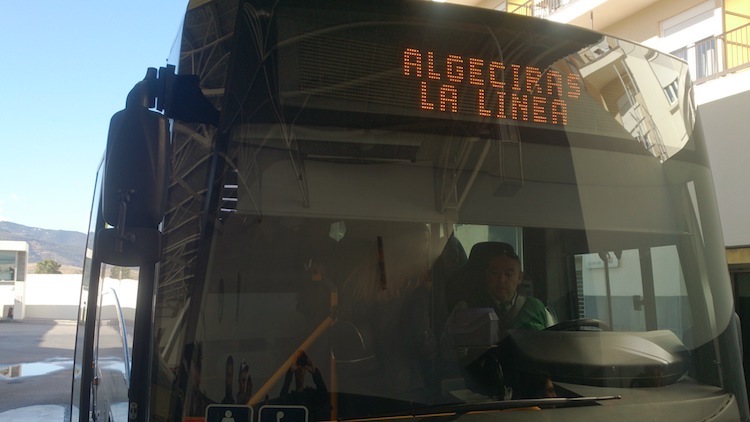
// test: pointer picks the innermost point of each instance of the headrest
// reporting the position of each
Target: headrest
(482, 252)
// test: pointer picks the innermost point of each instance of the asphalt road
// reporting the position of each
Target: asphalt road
(36, 369)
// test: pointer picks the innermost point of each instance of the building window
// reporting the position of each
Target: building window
(681, 53)
(706, 59)
(671, 92)
(7, 266)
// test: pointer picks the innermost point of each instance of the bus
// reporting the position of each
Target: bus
(312, 193)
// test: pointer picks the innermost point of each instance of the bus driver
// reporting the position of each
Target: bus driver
(494, 284)
(503, 276)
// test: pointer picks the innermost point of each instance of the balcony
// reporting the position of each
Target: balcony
(709, 58)
(717, 56)
(592, 14)
(536, 8)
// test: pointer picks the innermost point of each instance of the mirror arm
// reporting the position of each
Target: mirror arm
(144, 93)
(179, 96)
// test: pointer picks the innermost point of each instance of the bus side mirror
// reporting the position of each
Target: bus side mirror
(134, 187)
(136, 168)
(140, 246)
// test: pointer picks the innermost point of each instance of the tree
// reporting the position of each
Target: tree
(48, 266)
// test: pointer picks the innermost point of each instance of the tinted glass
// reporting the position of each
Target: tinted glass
(378, 162)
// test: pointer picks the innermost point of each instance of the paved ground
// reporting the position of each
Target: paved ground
(36, 369)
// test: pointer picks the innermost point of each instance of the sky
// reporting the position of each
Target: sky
(65, 68)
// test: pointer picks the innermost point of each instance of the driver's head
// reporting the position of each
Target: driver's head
(503, 274)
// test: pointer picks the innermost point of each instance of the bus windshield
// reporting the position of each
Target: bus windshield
(419, 209)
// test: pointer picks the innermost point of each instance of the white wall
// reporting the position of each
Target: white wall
(726, 125)
(57, 296)
(49, 296)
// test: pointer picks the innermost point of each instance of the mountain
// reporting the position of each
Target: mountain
(65, 247)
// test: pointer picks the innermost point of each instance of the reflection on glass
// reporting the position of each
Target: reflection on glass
(382, 191)
(639, 88)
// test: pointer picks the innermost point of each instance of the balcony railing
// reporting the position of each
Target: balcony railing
(709, 58)
(716, 56)
(536, 8)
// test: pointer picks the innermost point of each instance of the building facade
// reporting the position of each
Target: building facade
(713, 37)
(13, 272)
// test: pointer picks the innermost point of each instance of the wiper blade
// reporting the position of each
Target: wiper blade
(499, 405)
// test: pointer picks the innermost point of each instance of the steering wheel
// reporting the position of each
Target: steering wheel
(580, 324)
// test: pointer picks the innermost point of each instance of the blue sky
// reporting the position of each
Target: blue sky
(65, 68)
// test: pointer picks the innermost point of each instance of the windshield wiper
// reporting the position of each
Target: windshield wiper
(459, 409)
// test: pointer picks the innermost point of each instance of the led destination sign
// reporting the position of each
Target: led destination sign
(456, 84)
(410, 73)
